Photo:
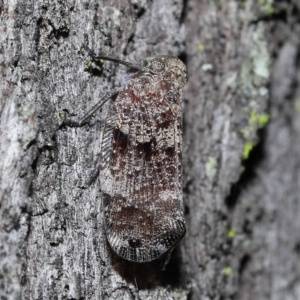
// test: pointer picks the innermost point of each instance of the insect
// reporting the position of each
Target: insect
(140, 161)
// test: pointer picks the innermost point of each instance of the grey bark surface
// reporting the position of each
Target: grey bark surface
(242, 209)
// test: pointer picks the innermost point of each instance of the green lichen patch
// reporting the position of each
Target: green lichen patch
(263, 120)
(200, 47)
(260, 55)
(210, 167)
(253, 116)
(297, 105)
(26, 111)
(228, 271)
(64, 29)
(260, 66)
(255, 71)
(266, 7)
(247, 149)
(231, 233)
(259, 119)
(256, 121)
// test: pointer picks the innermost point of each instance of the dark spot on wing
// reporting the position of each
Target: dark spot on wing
(121, 141)
(148, 149)
(170, 151)
(167, 120)
(134, 243)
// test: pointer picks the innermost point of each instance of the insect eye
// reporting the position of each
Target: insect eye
(157, 66)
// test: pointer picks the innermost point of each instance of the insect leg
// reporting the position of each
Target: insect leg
(111, 95)
(167, 259)
(95, 173)
(72, 123)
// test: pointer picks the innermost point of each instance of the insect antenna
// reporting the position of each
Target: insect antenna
(111, 58)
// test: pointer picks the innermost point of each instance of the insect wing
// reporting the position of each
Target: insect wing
(141, 176)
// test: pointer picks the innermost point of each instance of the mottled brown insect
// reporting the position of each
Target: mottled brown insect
(140, 163)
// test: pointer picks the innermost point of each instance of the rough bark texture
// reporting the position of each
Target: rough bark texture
(242, 206)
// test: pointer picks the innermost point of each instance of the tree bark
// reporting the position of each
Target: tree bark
(241, 148)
